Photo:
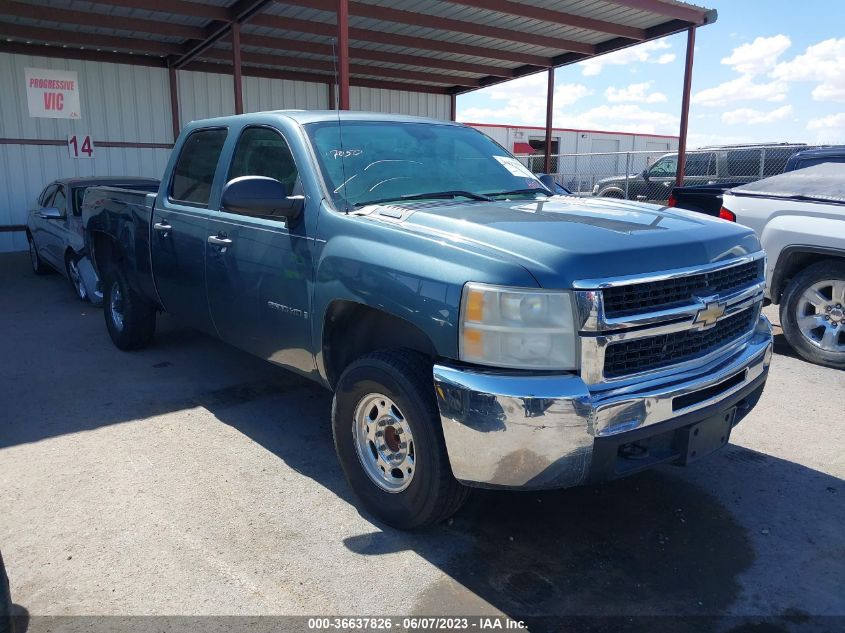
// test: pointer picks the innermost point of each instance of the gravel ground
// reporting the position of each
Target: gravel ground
(192, 479)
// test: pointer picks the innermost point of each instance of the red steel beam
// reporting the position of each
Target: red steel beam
(86, 54)
(343, 53)
(236, 66)
(174, 7)
(365, 54)
(174, 101)
(86, 18)
(685, 103)
(292, 75)
(328, 66)
(400, 16)
(556, 17)
(88, 40)
(394, 39)
(239, 12)
(550, 107)
(675, 11)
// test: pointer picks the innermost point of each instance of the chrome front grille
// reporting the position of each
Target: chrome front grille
(665, 293)
(656, 352)
(667, 322)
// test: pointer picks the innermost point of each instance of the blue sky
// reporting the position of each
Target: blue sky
(767, 70)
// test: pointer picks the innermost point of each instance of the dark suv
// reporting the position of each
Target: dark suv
(735, 163)
(815, 156)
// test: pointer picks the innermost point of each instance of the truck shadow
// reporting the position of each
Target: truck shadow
(656, 544)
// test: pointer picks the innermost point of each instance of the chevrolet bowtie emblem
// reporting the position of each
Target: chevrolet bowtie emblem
(709, 314)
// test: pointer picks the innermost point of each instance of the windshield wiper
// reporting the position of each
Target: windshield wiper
(435, 195)
(517, 192)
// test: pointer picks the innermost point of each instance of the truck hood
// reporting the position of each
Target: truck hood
(565, 238)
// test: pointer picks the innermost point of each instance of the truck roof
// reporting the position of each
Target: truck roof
(319, 116)
(819, 183)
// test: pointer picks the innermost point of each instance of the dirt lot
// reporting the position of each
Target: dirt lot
(192, 479)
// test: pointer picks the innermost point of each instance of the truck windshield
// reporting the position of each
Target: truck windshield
(368, 162)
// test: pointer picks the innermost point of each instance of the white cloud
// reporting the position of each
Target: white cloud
(750, 116)
(757, 56)
(742, 88)
(634, 93)
(645, 52)
(523, 101)
(823, 63)
(828, 129)
(620, 118)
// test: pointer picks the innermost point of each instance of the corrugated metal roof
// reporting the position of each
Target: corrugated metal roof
(452, 33)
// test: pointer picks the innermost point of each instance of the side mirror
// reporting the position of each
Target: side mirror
(51, 213)
(645, 174)
(260, 196)
(549, 182)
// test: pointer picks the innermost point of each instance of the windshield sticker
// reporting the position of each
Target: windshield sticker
(532, 183)
(344, 153)
(514, 166)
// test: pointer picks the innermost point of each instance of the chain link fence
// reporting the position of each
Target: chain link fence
(650, 175)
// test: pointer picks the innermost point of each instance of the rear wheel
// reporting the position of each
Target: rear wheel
(812, 313)
(39, 267)
(72, 266)
(389, 441)
(130, 320)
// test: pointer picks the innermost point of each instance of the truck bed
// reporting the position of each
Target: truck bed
(705, 199)
(125, 216)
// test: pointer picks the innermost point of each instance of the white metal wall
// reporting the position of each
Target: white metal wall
(119, 103)
(205, 95)
(400, 102)
(131, 104)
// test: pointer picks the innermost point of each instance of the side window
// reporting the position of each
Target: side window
(262, 151)
(700, 164)
(194, 171)
(46, 196)
(745, 163)
(60, 201)
(666, 166)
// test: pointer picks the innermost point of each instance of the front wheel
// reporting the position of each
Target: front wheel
(130, 320)
(812, 313)
(389, 441)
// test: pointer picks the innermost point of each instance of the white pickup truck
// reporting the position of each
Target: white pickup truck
(799, 217)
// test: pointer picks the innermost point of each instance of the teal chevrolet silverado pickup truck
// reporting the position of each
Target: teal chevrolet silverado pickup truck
(476, 330)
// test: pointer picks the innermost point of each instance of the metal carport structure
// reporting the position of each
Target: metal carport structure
(445, 47)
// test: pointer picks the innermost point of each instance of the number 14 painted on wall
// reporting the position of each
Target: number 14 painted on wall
(79, 146)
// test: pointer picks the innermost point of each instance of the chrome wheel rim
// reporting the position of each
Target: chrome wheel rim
(384, 443)
(76, 279)
(116, 306)
(820, 315)
(33, 255)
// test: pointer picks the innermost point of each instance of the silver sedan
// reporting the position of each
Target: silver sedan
(55, 231)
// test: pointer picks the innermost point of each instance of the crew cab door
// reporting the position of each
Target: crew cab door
(258, 268)
(179, 230)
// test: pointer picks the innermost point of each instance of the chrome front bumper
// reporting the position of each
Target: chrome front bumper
(539, 431)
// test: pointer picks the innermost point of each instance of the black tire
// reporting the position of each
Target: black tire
(139, 317)
(818, 272)
(73, 275)
(39, 266)
(404, 376)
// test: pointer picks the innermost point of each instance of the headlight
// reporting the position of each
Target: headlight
(517, 328)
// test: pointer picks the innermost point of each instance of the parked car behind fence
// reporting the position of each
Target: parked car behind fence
(650, 175)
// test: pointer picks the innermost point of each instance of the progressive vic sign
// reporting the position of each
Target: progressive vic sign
(53, 94)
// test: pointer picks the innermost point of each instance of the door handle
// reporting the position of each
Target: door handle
(219, 241)
(162, 226)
